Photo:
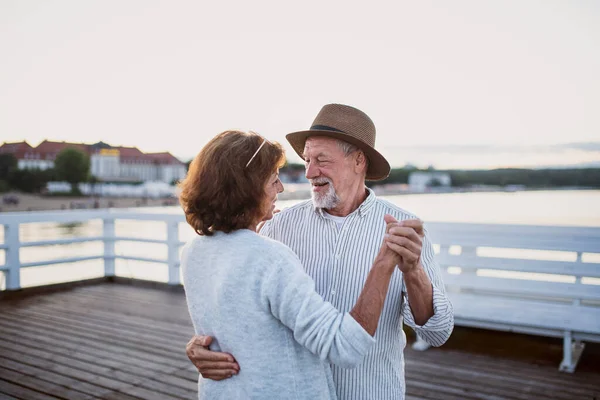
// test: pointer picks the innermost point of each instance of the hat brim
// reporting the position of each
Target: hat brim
(379, 168)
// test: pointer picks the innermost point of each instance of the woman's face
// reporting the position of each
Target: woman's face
(272, 188)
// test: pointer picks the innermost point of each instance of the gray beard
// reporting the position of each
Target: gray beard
(327, 200)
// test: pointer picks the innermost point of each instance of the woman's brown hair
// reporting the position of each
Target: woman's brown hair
(221, 193)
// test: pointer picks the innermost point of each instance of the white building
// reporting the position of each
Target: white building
(419, 181)
(107, 163)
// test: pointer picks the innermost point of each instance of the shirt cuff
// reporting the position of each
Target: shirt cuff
(442, 310)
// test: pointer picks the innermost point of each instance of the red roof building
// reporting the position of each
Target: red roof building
(107, 162)
(18, 149)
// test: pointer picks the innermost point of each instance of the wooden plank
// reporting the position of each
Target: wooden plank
(544, 371)
(178, 332)
(148, 381)
(111, 358)
(422, 389)
(49, 388)
(111, 299)
(507, 355)
(89, 363)
(100, 315)
(189, 373)
(106, 316)
(90, 345)
(63, 376)
(142, 309)
(491, 384)
(121, 327)
(165, 387)
(163, 350)
(118, 396)
(10, 389)
(88, 383)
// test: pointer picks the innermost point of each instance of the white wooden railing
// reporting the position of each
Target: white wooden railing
(469, 237)
(12, 241)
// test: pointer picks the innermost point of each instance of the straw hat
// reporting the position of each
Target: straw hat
(350, 125)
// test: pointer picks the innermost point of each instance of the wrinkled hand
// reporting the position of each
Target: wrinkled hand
(405, 238)
(387, 255)
(211, 364)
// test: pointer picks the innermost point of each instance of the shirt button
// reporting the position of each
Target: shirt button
(337, 256)
(333, 292)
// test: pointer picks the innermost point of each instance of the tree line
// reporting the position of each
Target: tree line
(532, 178)
(70, 165)
(73, 166)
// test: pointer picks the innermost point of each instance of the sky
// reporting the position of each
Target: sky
(461, 84)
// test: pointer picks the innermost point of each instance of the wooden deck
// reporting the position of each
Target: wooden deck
(124, 341)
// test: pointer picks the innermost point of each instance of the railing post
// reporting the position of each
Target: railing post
(173, 252)
(577, 302)
(11, 239)
(469, 251)
(109, 246)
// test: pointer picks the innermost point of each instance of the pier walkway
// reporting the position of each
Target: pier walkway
(126, 340)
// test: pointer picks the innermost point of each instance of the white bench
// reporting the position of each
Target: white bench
(487, 293)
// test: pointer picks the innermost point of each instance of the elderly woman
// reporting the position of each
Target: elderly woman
(252, 293)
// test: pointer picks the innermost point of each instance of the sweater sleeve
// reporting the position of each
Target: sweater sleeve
(317, 325)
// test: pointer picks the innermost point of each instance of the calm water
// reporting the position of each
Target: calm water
(567, 208)
(577, 208)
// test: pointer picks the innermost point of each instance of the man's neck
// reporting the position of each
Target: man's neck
(351, 205)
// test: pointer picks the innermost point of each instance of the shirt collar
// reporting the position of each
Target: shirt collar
(361, 210)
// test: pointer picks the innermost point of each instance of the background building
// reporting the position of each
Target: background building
(421, 181)
(107, 163)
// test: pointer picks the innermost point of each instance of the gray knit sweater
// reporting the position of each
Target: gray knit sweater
(252, 295)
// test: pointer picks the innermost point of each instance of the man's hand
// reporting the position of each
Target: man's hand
(387, 255)
(405, 238)
(211, 364)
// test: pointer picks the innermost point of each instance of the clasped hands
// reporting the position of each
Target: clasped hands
(405, 240)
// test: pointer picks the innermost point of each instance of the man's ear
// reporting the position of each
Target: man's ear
(360, 162)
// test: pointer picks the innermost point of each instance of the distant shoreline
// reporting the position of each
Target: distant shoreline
(302, 191)
(32, 202)
(382, 191)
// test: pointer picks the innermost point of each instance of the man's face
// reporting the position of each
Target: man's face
(333, 175)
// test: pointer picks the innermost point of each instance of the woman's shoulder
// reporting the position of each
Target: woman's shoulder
(276, 249)
(243, 243)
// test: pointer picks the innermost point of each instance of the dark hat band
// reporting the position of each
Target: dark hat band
(325, 128)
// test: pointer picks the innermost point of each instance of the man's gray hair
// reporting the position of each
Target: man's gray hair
(349, 148)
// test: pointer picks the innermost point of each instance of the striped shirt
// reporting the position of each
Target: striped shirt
(339, 261)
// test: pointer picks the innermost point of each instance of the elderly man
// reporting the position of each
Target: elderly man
(337, 236)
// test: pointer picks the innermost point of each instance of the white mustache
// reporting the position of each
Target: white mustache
(319, 181)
